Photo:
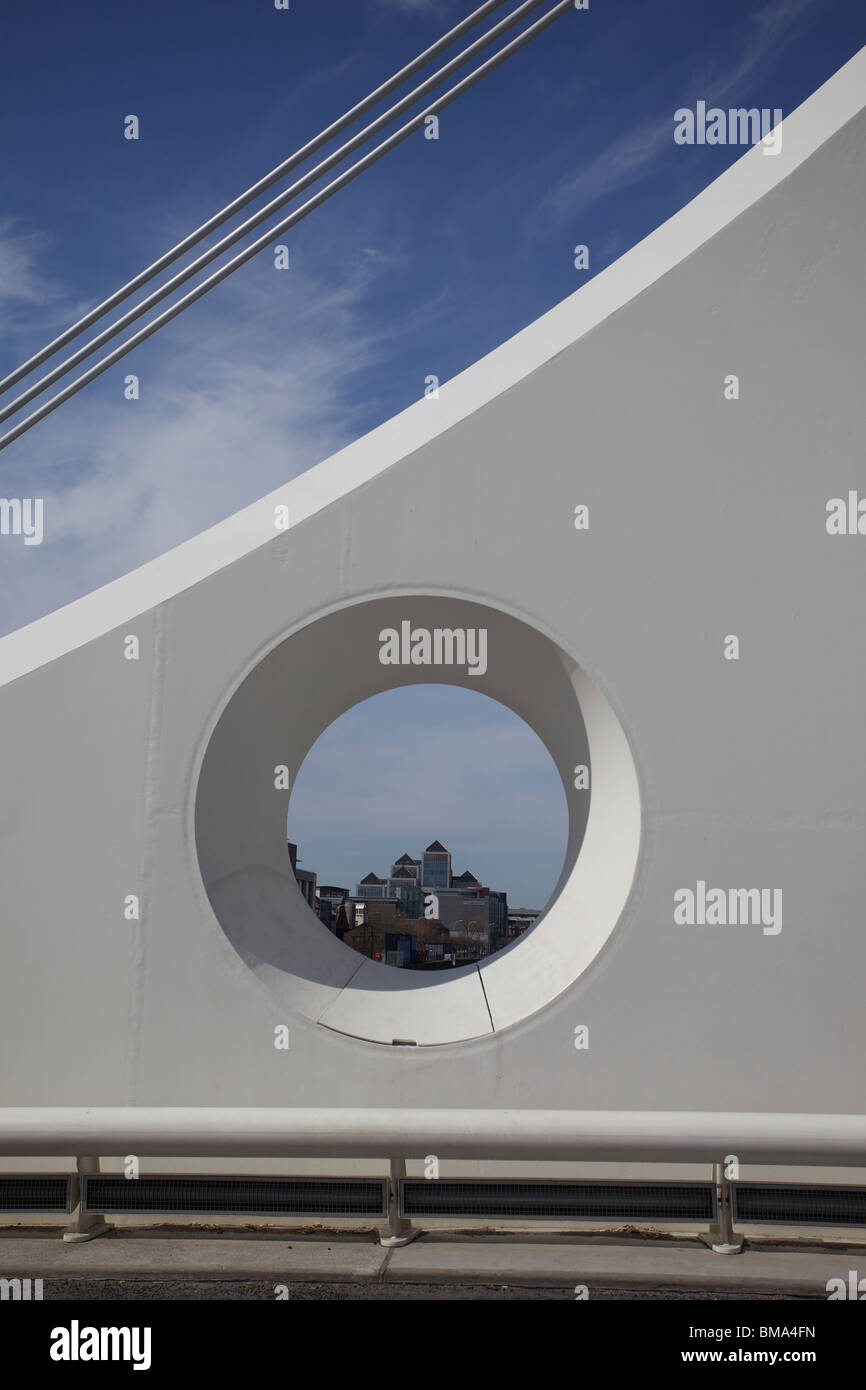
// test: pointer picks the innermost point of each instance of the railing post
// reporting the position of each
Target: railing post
(400, 1230)
(84, 1225)
(721, 1237)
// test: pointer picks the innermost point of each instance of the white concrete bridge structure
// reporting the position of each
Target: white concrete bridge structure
(153, 937)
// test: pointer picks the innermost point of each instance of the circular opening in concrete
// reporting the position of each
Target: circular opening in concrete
(273, 717)
(428, 825)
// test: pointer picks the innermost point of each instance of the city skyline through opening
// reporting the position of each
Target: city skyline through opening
(428, 826)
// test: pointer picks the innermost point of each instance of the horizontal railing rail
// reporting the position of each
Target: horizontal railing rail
(645, 1136)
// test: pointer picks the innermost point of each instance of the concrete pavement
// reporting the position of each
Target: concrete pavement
(168, 1256)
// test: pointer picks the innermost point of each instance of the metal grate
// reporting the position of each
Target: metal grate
(35, 1192)
(545, 1201)
(816, 1206)
(108, 1192)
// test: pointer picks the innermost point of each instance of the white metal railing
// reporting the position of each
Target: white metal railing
(643, 1136)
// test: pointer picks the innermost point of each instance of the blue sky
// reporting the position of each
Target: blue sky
(439, 253)
(467, 771)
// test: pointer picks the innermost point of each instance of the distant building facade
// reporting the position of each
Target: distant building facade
(520, 919)
(330, 901)
(421, 915)
(306, 881)
(473, 918)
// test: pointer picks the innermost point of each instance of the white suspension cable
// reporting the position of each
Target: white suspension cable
(239, 232)
(303, 211)
(251, 193)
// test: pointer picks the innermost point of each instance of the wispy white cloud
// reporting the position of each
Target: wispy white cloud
(244, 391)
(620, 164)
(27, 293)
(633, 156)
(768, 28)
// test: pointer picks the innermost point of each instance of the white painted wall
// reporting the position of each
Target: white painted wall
(706, 518)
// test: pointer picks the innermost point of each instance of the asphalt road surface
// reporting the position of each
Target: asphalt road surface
(258, 1290)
